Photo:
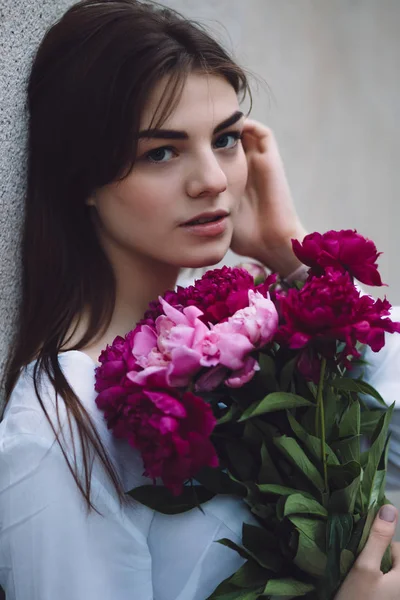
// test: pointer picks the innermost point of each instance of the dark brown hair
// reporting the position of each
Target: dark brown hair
(88, 86)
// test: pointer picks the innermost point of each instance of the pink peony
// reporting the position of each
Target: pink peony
(243, 375)
(258, 322)
(171, 432)
(179, 345)
(344, 250)
(330, 308)
(230, 343)
(168, 353)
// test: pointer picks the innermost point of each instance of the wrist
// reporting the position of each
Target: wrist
(280, 258)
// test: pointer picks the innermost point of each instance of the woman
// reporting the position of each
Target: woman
(140, 163)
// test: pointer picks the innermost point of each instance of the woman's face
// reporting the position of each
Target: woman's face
(177, 203)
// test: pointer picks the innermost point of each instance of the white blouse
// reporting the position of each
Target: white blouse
(52, 548)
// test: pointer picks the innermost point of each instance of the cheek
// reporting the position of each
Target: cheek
(141, 198)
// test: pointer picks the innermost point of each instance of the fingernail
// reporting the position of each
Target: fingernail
(387, 513)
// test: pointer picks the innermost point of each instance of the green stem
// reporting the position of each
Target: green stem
(321, 414)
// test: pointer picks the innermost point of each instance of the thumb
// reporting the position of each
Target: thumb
(381, 534)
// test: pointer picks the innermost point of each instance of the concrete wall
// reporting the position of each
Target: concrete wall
(331, 94)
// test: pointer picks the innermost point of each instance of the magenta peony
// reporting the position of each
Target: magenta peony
(116, 361)
(330, 308)
(344, 250)
(256, 270)
(218, 294)
(171, 432)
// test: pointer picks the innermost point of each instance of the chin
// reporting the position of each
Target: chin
(204, 259)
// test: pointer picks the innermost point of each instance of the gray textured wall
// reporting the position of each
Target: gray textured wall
(22, 24)
(332, 95)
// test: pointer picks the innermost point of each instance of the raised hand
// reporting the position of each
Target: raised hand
(266, 220)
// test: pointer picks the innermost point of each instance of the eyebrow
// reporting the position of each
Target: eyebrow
(170, 134)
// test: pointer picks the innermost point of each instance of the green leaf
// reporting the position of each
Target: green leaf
(229, 415)
(375, 454)
(287, 374)
(372, 512)
(299, 504)
(242, 464)
(378, 492)
(279, 490)
(349, 425)
(369, 421)
(348, 449)
(292, 451)
(309, 555)
(229, 544)
(287, 587)
(345, 480)
(228, 591)
(161, 500)
(267, 373)
(268, 472)
(357, 385)
(250, 575)
(332, 404)
(273, 402)
(386, 564)
(347, 559)
(312, 443)
(314, 529)
(264, 511)
(219, 482)
(262, 547)
(252, 436)
(339, 530)
(308, 420)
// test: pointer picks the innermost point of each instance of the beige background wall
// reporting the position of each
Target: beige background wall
(332, 98)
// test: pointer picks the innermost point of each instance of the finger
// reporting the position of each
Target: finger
(262, 136)
(382, 532)
(254, 132)
(256, 128)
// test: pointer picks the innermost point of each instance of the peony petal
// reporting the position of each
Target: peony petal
(156, 376)
(145, 340)
(244, 375)
(166, 403)
(234, 349)
(185, 363)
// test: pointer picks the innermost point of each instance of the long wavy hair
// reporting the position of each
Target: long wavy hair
(89, 83)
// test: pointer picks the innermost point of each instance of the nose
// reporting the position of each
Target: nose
(206, 178)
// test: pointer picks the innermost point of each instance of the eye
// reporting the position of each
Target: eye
(228, 140)
(160, 155)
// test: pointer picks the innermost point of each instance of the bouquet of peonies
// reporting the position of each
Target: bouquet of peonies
(241, 386)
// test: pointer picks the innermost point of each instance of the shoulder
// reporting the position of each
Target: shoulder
(26, 434)
(24, 413)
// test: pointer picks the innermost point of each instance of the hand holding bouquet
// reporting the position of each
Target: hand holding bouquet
(237, 386)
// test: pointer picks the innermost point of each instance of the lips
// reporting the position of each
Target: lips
(206, 217)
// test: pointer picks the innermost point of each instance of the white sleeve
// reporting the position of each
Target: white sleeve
(51, 548)
(382, 370)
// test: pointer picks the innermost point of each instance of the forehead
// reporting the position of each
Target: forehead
(205, 101)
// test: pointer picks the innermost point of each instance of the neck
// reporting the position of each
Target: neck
(138, 282)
